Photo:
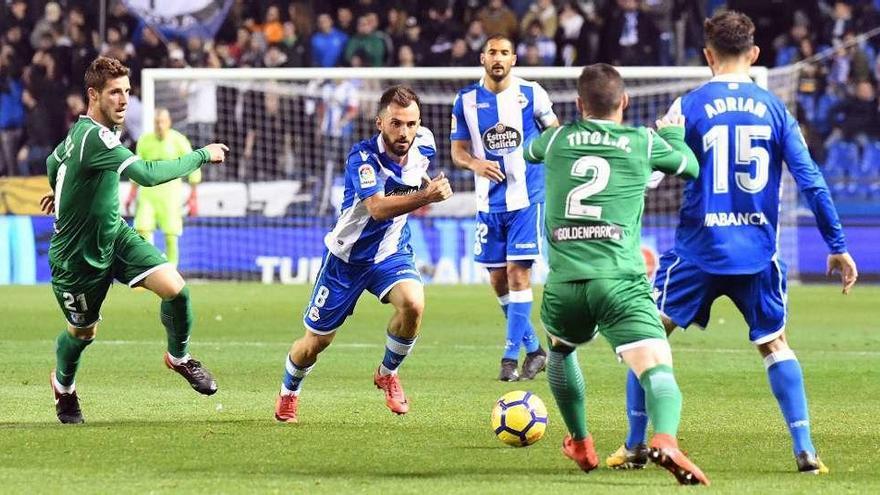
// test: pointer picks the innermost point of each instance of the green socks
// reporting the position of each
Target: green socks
(67, 352)
(663, 399)
(177, 317)
(567, 385)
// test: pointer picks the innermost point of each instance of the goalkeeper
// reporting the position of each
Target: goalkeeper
(160, 205)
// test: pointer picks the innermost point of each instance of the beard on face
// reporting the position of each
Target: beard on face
(400, 147)
(495, 76)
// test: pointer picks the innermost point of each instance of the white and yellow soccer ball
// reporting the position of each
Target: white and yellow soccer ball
(519, 418)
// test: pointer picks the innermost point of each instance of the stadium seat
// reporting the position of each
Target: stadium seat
(869, 166)
(842, 156)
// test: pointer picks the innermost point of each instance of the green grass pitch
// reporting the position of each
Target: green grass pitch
(147, 431)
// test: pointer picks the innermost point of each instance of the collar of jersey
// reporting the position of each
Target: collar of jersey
(732, 78)
(96, 122)
(601, 121)
(389, 164)
(483, 85)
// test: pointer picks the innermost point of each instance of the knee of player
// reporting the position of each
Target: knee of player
(777, 345)
(181, 292)
(412, 307)
(83, 333)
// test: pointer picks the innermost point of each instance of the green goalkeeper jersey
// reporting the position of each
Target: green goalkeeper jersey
(84, 172)
(596, 176)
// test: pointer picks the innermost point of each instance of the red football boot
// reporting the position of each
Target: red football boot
(666, 454)
(394, 396)
(581, 451)
(285, 408)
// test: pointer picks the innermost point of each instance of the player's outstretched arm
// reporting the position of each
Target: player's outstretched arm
(667, 150)
(383, 207)
(153, 173)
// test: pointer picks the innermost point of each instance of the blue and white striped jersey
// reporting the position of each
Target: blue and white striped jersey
(357, 238)
(741, 135)
(499, 126)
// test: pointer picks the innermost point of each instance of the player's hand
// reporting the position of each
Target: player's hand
(217, 152)
(488, 169)
(47, 204)
(670, 121)
(843, 264)
(438, 189)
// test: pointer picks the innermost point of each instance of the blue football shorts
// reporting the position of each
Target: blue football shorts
(339, 286)
(509, 236)
(685, 294)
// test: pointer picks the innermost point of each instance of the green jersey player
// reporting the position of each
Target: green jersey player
(597, 171)
(92, 245)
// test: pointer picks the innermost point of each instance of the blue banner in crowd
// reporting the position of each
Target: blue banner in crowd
(289, 250)
(177, 19)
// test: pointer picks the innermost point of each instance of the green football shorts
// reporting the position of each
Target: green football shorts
(622, 310)
(81, 293)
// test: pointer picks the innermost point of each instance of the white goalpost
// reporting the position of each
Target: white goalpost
(263, 214)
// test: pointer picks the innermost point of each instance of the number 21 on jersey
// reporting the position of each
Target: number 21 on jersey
(717, 140)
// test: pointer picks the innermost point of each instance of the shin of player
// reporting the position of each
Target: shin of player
(740, 259)
(368, 249)
(491, 123)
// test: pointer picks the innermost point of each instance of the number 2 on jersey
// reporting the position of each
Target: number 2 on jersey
(574, 202)
(718, 141)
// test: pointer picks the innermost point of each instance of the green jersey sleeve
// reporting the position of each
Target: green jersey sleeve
(152, 173)
(668, 153)
(537, 149)
(102, 150)
(185, 147)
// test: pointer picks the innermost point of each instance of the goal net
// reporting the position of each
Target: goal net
(263, 214)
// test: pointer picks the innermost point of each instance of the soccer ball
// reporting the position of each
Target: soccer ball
(519, 418)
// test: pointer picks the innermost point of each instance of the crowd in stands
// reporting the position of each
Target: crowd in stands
(45, 48)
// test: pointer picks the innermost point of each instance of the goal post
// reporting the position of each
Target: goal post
(263, 214)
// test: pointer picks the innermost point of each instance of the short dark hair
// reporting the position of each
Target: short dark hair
(601, 89)
(399, 95)
(730, 33)
(103, 69)
(497, 37)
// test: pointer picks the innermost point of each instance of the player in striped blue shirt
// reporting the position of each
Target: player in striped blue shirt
(727, 241)
(492, 122)
(368, 248)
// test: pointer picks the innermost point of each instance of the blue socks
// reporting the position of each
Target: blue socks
(519, 324)
(293, 376)
(787, 382)
(636, 414)
(396, 349)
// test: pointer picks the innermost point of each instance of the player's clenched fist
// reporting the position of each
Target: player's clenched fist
(438, 189)
(670, 121)
(217, 152)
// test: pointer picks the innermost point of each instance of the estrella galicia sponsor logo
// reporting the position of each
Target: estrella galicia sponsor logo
(501, 139)
(594, 232)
